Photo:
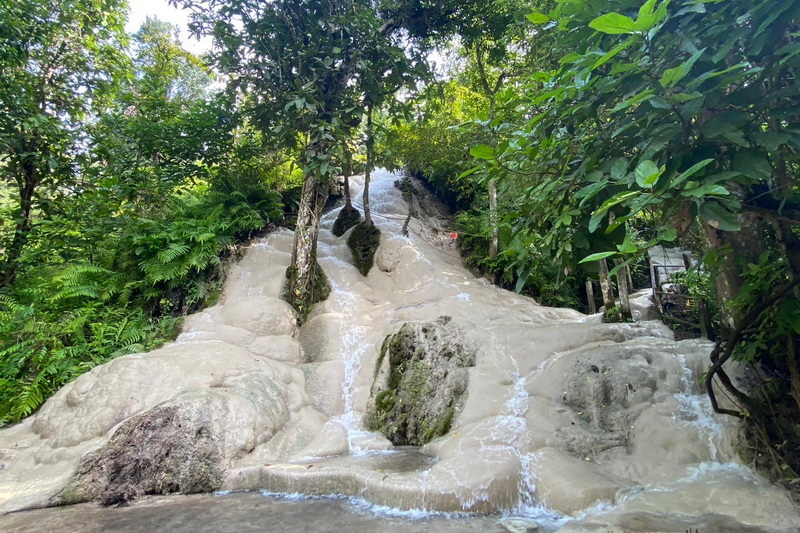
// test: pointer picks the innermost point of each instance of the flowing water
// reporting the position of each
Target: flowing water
(569, 424)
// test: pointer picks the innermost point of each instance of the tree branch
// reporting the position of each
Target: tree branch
(724, 350)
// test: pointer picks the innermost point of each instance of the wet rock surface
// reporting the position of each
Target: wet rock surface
(363, 242)
(184, 445)
(348, 217)
(420, 383)
(564, 416)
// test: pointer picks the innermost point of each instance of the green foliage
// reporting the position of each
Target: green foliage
(61, 320)
(431, 148)
(168, 183)
(60, 61)
(662, 115)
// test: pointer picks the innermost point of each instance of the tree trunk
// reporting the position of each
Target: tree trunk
(494, 243)
(605, 285)
(14, 252)
(590, 297)
(347, 170)
(307, 285)
(368, 169)
(794, 368)
(738, 248)
(629, 278)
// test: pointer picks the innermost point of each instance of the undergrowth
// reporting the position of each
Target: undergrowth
(124, 293)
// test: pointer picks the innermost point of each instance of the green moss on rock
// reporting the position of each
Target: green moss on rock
(616, 314)
(421, 382)
(347, 218)
(303, 304)
(363, 242)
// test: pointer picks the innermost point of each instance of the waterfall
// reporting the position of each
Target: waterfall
(567, 423)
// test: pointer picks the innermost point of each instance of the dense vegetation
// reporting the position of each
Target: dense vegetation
(566, 134)
(125, 182)
(639, 123)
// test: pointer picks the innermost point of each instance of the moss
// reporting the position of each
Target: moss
(384, 401)
(441, 427)
(615, 314)
(347, 218)
(304, 303)
(363, 243)
(406, 187)
(425, 385)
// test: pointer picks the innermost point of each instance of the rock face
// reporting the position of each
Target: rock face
(421, 382)
(183, 445)
(562, 411)
(363, 241)
(347, 218)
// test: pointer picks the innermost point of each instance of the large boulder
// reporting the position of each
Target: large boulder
(421, 382)
(363, 242)
(183, 445)
(347, 218)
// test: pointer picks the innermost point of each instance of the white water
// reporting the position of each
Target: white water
(513, 446)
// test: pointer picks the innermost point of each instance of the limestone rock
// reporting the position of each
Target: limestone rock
(421, 382)
(183, 445)
(347, 218)
(262, 316)
(363, 242)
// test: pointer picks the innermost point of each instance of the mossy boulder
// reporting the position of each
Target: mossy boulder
(420, 382)
(184, 445)
(347, 218)
(363, 242)
(303, 303)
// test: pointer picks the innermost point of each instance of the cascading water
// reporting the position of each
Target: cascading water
(353, 343)
(569, 423)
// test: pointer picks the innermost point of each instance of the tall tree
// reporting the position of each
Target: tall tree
(296, 66)
(60, 61)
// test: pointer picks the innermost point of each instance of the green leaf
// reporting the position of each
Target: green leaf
(627, 246)
(469, 172)
(718, 217)
(619, 169)
(613, 52)
(613, 24)
(538, 18)
(638, 98)
(722, 128)
(705, 190)
(648, 17)
(680, 98)
(590, 191)
(694, 169)
(668, 234)
(771, 140)
(647, 173)
(672, 76)
(615, 200)
(753, 164)
(595, 220)
(596, 257)
(482, 151)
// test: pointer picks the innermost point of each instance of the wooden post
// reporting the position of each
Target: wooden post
(494, 242)
(629, 278)
(605, 286)
(622, 286)
(590, 297)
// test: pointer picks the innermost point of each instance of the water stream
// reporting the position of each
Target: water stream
(569, 424)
